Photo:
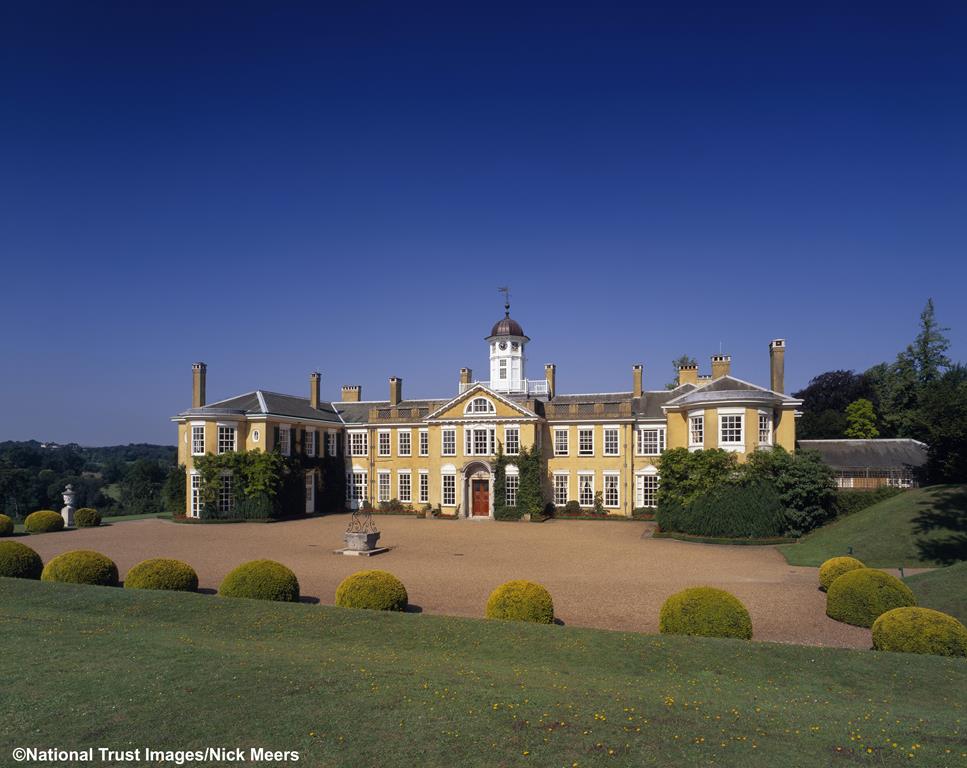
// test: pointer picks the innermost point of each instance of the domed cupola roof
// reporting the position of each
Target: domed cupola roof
(507, 326)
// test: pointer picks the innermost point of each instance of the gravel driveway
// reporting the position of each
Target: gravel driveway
(610, 575)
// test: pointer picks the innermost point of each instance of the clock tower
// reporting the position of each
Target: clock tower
(507, 341)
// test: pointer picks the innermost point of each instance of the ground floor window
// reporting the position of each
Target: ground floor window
(424, 488)
(765, 429)
(586, 489)
(511, 486)
(356, 483)
(449, 490)
(612, 495)
(561, 489)
(405, 488)
(226, 496)
(383, 487)
(195, 495)
(646, 491)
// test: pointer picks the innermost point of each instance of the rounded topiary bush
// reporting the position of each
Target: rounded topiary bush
(86, 517)
(261, 580)
(43, 521)
(373, 590)
(861, 596)
(6, 525)
(82, 566)
(706, 612)
(19, 562)
(835, 567)
(919, 630)
(521, 601)
(162, 573)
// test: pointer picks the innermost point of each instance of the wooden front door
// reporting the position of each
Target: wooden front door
(480, 493)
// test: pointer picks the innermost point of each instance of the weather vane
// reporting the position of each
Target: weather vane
(506, 291)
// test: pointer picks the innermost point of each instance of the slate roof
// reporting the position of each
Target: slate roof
(869, 454)
(650, 403)
(262, 403)
(358, 413)
(729, 388)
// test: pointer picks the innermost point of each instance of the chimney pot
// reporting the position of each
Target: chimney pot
(721, 366)
(352, 393)
(687, 374)
(777, 365)
(550, 374)
(314, 380)
(636, 373)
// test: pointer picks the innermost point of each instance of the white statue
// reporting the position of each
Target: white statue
(68, 511)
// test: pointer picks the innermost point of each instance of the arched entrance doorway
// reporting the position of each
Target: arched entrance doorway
(478, 490)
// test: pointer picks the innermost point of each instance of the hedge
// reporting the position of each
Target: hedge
(261, 580)
(372, 590)
(705, 612)
(521, 601)
(847, 502)
(82, 566)
(86, 517)
(861, 596)
(731, 510)
(6, 525)
(18, 561)
(162, 573)
(43, 521)
(919, 630)
(835, 567)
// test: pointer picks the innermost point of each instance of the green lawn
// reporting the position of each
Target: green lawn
(884, 535)
(944, 589)
(19, 528)
(99, 666)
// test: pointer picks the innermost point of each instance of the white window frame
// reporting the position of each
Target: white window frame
(556, 488)
(448, 489)
(197, 446)
(424, 442)
(285, 439)
(480, 440)
(561, 447)
(765, 427)
(358, 442)
(641, 478)
(384, 443)
(194, 509)
(730, 414)
(221, 441)
(384, 485)
(511, 488)
(226, 493)
(331, 444)
(643, 447)
(581, 498)
(451, 433)
(404, 442)
(614, 432)
(508, 443)
(424, 486)
(612, 479)
(358, 486)
(404, 491)
(309, 436)
(479, 406)
(696, 426)
(582, 432)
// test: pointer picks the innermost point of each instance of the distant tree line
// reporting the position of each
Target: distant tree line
(115, 480)
(922, 394)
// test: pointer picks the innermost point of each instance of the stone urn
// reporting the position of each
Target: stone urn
(361, 542)
(67, 511)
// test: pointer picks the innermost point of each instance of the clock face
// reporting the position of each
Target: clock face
(503, 345)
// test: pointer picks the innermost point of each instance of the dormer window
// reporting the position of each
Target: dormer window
(480, 405)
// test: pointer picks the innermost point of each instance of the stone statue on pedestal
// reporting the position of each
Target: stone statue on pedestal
(68, 510)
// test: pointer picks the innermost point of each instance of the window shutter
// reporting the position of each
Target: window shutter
(275, 440)
(302, 440)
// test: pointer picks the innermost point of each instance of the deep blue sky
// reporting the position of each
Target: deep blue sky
(275, 188)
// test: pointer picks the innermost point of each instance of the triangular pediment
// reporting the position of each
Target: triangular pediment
(502, 407)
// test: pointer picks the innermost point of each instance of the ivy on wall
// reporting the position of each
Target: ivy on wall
(530, 493)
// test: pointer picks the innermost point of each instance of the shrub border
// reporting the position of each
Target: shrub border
(722, 540)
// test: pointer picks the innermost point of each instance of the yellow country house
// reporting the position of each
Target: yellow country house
(442, 452)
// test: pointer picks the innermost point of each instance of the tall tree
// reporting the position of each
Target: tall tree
(825, 399)
(861, 420)
(942, 424)
(929, 350)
